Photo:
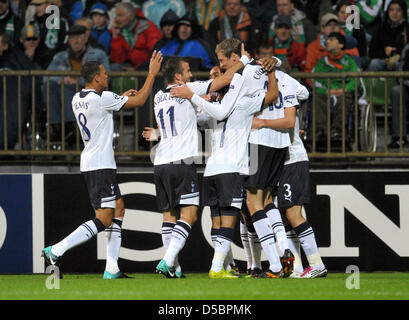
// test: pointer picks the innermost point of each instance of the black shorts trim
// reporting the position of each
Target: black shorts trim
(223, 190)
(270, 163)
(294, 187)
(103, 189)
(176, 185)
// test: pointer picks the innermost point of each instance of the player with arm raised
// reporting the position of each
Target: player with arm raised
(253, 79)
(228, 162)
(93, 108)
(175, 174)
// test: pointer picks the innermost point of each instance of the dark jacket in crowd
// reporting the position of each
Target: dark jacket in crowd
(390, 35)
(16, 59)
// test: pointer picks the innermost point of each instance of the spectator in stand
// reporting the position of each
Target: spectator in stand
(314, 9)
(29, 41)
(303, 31)
(51, 40)
(155, 9)
(87, 24)
(232, 22)
(71, 59)
(133, 38)
(371, 15)
(18, 58)
(167, 24)
(389, 41)
(357, 33)
(261, 14)
(99, 31)
(9, 22)
(335, 60)
(285, 48)
(207, 10)
(188, 41)
(316, 49)
(19, 8)
(397, 119)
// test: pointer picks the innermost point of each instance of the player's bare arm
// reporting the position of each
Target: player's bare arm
(139, 98)
(287, 122)
(272, 90)
(225, 79)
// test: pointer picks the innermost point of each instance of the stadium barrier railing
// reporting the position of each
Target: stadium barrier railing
(365, 124)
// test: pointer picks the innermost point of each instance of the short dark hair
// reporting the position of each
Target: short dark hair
(264, 45)
(89, 70)
(6, 39)
(340, 37)
(170, 67)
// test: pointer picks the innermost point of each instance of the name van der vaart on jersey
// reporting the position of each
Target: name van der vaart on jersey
(164, 97)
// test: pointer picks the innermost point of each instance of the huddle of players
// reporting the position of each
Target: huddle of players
(243, 169)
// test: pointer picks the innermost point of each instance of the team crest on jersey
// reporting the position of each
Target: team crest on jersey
(117, 97)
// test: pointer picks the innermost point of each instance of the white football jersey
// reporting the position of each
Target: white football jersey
(296, 151)
(94, 114)
(177, 120)
(230, 136)
(276, 138)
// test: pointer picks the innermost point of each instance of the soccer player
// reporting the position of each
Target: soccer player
(93, 108)
(294, 190)
(254, 79)
(176, 181)
(228, 162)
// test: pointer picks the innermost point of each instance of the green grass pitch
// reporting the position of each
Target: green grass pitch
(197, 286)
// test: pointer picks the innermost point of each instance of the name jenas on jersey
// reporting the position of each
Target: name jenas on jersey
(80, 105)
(166, 97)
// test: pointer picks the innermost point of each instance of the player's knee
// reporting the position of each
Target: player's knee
(119, 212)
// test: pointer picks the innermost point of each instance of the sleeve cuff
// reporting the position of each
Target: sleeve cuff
(244, 60)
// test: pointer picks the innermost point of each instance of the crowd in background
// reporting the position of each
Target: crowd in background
(122, 36)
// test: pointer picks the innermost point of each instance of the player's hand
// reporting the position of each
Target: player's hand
(130, 92)
(257, 123)
(155, 63)
(182, 91)
(268, 63)
(207, 97)
(244, 52)
(150, 134)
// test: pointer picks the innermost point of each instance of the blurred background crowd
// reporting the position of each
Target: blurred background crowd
(122, 36)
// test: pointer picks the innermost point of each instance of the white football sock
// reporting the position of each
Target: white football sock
(276, 221)
(80, 235)
(180, 233)
(309, 245)
(266, 235)
(246, 245)
(113, 234)
(224, 239)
